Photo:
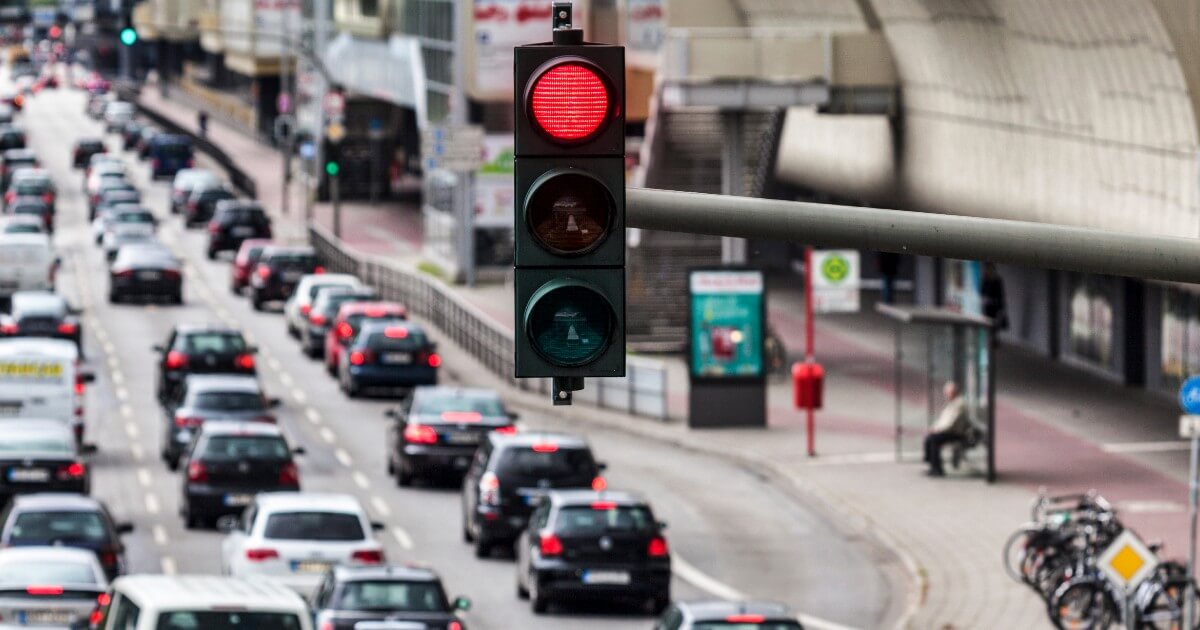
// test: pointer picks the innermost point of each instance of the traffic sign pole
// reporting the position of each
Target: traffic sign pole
(809, 349)
(1189, 610)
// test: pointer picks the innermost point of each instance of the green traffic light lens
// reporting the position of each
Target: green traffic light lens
(129, 36)
(568, 323)
(569, 213)
(331, 168)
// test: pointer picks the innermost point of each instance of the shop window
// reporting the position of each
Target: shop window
(1090, 319)
(368, 8)
(1180, 337)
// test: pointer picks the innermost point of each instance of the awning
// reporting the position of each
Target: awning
(391, 70)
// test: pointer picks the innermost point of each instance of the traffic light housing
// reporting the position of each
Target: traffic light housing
(569, 231)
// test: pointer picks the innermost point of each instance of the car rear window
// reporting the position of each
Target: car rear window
(382, 596)
(134, 217)
(36, 444)
(331, 526)
(174, 149)
(593, 519)
(30, 208)
(218, 343)
(293, 261)
(450, 403)
(58, 527)
(46, 572)
(414, 339)
(238, 447)
(524, 462)
(31, 187)
(222, 620)
(738, 625)
(229, 401)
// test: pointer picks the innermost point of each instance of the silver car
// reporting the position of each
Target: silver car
(50, 587)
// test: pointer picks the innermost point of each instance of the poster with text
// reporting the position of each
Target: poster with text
(726, 323)
(501, 25)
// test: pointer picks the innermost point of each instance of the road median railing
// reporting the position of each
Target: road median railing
(641, 392)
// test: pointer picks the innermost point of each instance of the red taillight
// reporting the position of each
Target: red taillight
(420, 434)
(103, 599)
(599, 484)
(9, 196)
(197, 473)
(108, 558)
(462, 416)
(544, 447)
(506, 430)
(39, 589)
(214, 227)
(80, 388)
(375, 312)
(326, 625)
(344, 330)
(318, 270)
(48, 197)
(549, 544)
(454, 625)
(188, 422)
(745, 619)
(657, 548)
(263, 272)
(489, 489)
(358, 357)
(258, 555)
(244, 361)
(395, 332)
(9, 329)
(317, 319)
(66, 328)
(435, 360)
(570, 102)
(289, 475)
(176, 360)
(367, 556)
(305, 309)
(603, 505)
(74, 470)
(170, 274)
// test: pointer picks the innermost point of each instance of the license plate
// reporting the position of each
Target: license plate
(606, 577)
(243, 230)
(461, 462)
(10, 409)
(396, 358)
(310, 566)
(46, 617)
(462, 437)
(292, 276)
(236, 500)
(149, 275)
(28, 475)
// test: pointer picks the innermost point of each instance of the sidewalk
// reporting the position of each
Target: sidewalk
(1056, 427)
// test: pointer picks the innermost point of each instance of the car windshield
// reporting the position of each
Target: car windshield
(381, 596)
(22, 228)
(239, 447)
(525, 462)
(134, 217)
(450, 403)
(328, 526)
(601, 518)
(752, 625)
(36, 443)
(218, 343)
(229, 401)
(223, 620)
(53, 527)
(31, 571)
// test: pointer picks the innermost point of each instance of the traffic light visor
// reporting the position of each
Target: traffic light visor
(570, 100)
(569, 324)
(569, 213)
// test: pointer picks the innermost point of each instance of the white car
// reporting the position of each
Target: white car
(122, 226)
(187, 179)
(117, 113)
(294, 537)
(27, 263)
(178, 602)
(50, 586)
(297, 307)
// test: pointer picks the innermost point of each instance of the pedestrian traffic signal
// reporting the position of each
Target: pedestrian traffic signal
(129, 36)
(570, 222)
(332, 168)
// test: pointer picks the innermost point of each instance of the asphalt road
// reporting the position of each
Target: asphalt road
(731, 532)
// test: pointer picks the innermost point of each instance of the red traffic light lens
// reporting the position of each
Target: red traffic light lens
(570, 101)
(569, 213)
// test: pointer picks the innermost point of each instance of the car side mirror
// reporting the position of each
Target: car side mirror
(662, 525)
(462, 603)
(87, 377)
(124, 528)
(299, 450)
(392, 413)
(274, 402)
(251, 349)
(377, 526)
(88, 449)
(158, 348)
(514, 416)
(602, 466)
(227, 523)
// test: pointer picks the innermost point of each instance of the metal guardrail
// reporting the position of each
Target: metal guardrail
(641, 392)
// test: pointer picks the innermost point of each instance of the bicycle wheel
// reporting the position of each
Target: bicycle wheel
(1083, 605)
(1162, 608)
(1016, 553)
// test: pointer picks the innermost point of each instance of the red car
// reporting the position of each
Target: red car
(246, 258)
(349, 320)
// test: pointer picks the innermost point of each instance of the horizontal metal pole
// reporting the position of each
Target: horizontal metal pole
(1040, 245)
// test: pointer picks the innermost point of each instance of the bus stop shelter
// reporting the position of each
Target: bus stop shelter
(934, 346)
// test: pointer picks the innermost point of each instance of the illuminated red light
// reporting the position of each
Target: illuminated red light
(395, 332)
(435, 360)
(570, 102)
(657, 548)
(599, 484)
(357, 358)
(367, 556)
(462, 416)
(420, 434)
(176, 360)
(745, 619)
(245, 361)
(66, 328)
(550, 545)
(44, 590)
(506, 430)
(604, 505)
(545, 447)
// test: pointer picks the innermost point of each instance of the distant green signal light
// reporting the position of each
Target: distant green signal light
(129, 36)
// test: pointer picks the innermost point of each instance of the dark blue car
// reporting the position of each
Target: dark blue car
(390, 354)
(169, 154)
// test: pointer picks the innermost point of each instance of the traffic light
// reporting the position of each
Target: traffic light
(129, 36)
(569, 227)
(332, 168)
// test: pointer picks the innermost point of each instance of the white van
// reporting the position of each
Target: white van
(27, 263)
(187, 602)
(40, 378)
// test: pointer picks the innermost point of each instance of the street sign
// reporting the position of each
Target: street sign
(335, 131)
(285, 126)
(334, 104)
(1189, 426)
(1189, 395)
(308, 150)
(835, 281)
(458, 149)
(1127, 561)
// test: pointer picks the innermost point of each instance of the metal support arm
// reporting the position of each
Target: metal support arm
(1026, 243)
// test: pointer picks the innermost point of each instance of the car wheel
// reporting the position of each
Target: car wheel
(172, 462)
(537, 602)
(404, 478)
(522, 592)
(177, 298)
(659, 603)
(350, 387)
(113, 298)
(256, 301)
(483, 547)
(467, 536)
(293, 332)
(212, 254)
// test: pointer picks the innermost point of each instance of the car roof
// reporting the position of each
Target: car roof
(362, 293)
(354, 308)
(25, 239)
(19, 154)
(38, 302)
(379, 325)
(529, 438)
(446, 390)
(56, 501)
(226, 382)
(288, 249)
(38, 346)
(168, 592)
(143, 251)
(342, 279)
(407, 572)
(563, 498)
(191, 328)
(715, 610)
(48, 553)
(309, 502)
(239, 204)
(233, 427)
(36, 426)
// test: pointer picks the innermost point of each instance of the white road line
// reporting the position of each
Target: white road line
(274, 363)
(381, 507)
(1146, 447)
(131, 429)
(122, 394)
(313, 415)
(343, 457)
(285, 379)
(109, 348)
(126, 412)
(168, 565)
(160, 535)
(136, 451)
(361, 480)
(299, 395)
(249, 337)
(328, 435)
(144, 477)
(1150, 507)
(152, 504)
(876, 457)
(113, 363)
(402, 538)
(117, 377)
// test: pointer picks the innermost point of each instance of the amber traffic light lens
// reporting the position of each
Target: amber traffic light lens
(569, 213)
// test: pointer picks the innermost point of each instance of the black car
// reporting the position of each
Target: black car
(228, 463)
(145, 270)
(324, 307)
(34, 207)
(143, 143)
(31, 185)
(390, 596)
(130, 134)
(437, 430)
(235, 221)
(68, 520)
(205, 397)
(42, 314)
(84, 149)
(508, 476)
(278, 271)
(388, 355)
(202, 202)
(40, 456)
(723, 614)
(13, 159)
(109, 185)
(588, 545)
(11, 137)
(200, 349)
(169, 154)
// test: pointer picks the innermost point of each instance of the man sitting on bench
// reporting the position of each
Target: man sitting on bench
(951, 426)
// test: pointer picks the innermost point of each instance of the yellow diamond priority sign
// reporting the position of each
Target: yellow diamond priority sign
(1127, 561)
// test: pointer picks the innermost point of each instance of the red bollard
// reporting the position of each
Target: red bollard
(808, 384)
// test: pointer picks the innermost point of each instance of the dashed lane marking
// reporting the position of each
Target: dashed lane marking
(160, 535)
(343, 457)
(152, 505)
(402, 538)
(313, 415)
(274, 363)
(381, 507)
(168, 565)
(132, 430)
(361, 480)
(122, 393)
(328, 435)
(117, 377)
(285, 379)
(144, 478)
(299, 395)
(127, 412)
(136, 451)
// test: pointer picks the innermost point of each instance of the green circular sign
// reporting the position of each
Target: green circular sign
(835, 268)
